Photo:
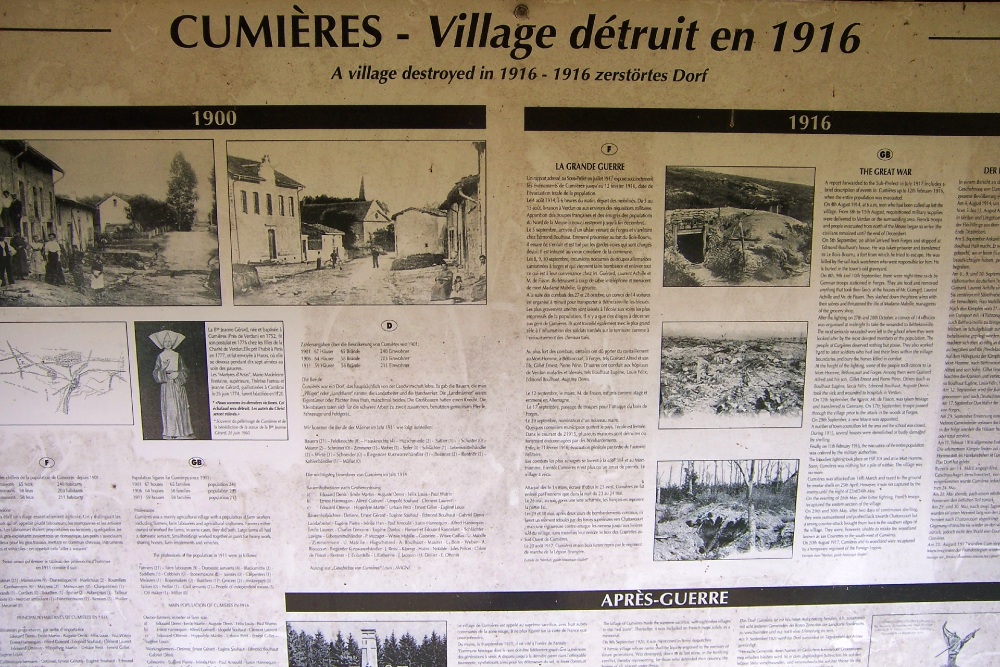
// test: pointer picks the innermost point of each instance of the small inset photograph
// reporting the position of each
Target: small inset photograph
(738, 226)
(172, 361)
(732, 374)
(64, 373)
(939, 640)
(725, 509)
(357, 222)
(368, 643)
(108, 223)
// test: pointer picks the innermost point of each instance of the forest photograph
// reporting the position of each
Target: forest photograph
(725, 509)
(367, 644)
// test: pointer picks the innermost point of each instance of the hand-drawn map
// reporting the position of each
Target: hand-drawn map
(65, 373)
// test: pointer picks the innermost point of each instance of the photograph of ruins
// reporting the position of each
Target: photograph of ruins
(357, 222)
(732, 374)
(738, 226)
(367, 643)
(108, 223)
(936, 640)
(727, 509)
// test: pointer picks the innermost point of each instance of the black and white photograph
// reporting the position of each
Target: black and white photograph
(738, 226)
(732, 374)
(357, 222)
(725, 509)
(172, 361)
(936, 640)
(367, 643)
(108, 223)
(60, 373)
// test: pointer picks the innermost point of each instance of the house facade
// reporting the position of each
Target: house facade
(319, 243)
(360, 218)
(264, 212)
(76, 223)
(464, 205)
(466, 234)
(374, 218)
(26, 175)
(113, 214)
(421, 230)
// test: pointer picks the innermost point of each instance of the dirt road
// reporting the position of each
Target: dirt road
(357, 282)
(189, 251)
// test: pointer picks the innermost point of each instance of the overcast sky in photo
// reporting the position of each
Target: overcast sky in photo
(734, 330)
(128, 167)
(402, 174)
(798, 175)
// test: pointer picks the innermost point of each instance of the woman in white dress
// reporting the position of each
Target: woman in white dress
(171, 375)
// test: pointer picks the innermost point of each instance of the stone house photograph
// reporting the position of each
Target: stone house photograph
(378, 222)
(263, 211)
(110, 222)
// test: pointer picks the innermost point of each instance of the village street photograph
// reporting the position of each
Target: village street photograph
(357, 222)
(738, 226)
(108, 223)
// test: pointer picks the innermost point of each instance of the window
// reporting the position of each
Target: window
(243, 200)
(256, 203)
(281, 205)
(291, 207)
(34, 200)
(270, 207)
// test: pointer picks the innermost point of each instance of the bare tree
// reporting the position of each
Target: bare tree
(748, 471)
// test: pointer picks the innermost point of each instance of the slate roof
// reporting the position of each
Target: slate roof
(18, 146)
(72, 202)
(469, 186)
(345, 213)
(124, 198)
(436, 212)
(315, 231)
(245, 169)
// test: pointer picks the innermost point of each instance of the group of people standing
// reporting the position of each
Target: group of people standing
(21, 259)
(449, 286)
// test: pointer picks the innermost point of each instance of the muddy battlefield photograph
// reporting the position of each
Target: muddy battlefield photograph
(732, 374)
(738, 226)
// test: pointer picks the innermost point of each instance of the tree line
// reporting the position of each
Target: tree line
(754, 483)
(316, 650)
(177, 211)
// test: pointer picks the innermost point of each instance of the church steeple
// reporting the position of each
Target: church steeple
(361, 195)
